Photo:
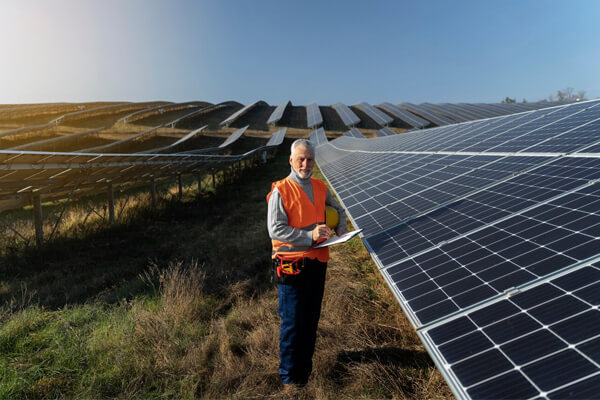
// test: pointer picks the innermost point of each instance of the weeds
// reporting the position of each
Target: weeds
(95, 318)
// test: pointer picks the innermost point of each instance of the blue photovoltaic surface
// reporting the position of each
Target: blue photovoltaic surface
(346, 114)
(277, 137)
(277, 114)
(355, 133)
(318, 136)
(376, 115)
(466, 220)
(313, 115)
(385, 132)
(544, 339)
(427, 114)
(404, 115)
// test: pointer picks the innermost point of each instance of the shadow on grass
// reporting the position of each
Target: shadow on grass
(225, 232)
(385, 355)
(386, 370)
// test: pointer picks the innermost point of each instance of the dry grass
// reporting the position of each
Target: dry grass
(205, 327)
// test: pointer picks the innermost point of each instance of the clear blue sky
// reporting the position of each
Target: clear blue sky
(304, 51)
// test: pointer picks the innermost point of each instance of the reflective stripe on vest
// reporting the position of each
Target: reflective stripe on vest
(302, 214)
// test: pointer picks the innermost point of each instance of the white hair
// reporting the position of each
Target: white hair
(302, 142)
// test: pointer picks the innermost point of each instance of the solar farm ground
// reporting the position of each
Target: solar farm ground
(178, 301)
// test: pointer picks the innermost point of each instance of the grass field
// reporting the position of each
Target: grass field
(179, 302)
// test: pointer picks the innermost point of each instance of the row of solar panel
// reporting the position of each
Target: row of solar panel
(460, 217)
(54, 175)
(416, 116)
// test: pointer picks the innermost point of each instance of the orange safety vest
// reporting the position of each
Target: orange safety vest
(302, 214)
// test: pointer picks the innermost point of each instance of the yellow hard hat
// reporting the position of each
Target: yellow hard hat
(331, 217)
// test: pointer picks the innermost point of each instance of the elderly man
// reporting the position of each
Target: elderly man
(296, 222)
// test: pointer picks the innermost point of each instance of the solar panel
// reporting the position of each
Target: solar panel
(481, 109)
(228, 142)
(277, 113)
(376, 115)
(524, 345)
(313, 115)
(173, 145)
(425, 113)
(355, 133)
(465, 111)
(445, 111)
(277, 137)
(491, 245)
(346, 114)
(318, 137)
(403, 115)
(229, 120)
(55, 175)
(385, 132)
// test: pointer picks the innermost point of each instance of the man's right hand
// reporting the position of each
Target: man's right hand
(321, 232)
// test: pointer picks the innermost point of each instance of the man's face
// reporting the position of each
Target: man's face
(303, 161)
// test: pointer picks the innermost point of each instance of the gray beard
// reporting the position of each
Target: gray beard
(299, 179)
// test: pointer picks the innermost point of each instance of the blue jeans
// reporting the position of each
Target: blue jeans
(300, 309)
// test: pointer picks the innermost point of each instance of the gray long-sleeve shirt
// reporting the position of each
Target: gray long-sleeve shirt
(277, 219)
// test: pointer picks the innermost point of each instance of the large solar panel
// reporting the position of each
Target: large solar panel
(313, 115)
(385, 132)
(403, 115)
(480, 109)
(445, 111)
(355, 133)
(229, 120)
(346, 114)
(228, 142)
(427, 114)
(488, 234)
(525, 345)
(277, 114)
(277, 138)
(376, 115)
(465, 111)
(318, 136)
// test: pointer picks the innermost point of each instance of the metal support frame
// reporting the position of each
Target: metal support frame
(111, 204)
(153, 192)
(123, 207)
(37, 215)
(180, 186)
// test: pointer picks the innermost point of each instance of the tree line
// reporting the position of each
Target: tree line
(567, 94)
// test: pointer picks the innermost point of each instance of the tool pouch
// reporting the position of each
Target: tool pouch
(287, 271)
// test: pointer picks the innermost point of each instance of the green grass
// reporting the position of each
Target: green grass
(178, 303)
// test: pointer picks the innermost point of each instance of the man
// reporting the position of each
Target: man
(296, 222)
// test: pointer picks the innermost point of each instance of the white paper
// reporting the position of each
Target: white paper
(338, 239)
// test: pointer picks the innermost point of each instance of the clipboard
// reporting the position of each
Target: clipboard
(338, 239)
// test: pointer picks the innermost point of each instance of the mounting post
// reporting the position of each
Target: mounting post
(111, 204)
(179, 183)
(153, 192)
(37, 215)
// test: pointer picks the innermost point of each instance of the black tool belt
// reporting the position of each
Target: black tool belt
(288, 270)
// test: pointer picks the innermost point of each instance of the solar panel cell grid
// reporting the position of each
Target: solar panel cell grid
(313, 115)
(427, 114)
(500, 256)
(355, 133)
(378, 116)
(528, 339)
(277, 113)
(347, 116)
(385, 132)
(404, 115)
(456, 234)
